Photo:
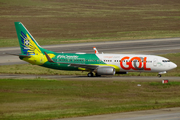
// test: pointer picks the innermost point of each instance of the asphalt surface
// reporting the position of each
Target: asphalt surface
(85, 78)
(161, 114)
(150, 46)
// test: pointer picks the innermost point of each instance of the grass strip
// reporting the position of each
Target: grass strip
(132, 35)
(57, 22)
(39, 99)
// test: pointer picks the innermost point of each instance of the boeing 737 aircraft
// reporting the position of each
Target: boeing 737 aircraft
(100, 64)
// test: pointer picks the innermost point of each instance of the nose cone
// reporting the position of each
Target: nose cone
(173, 65)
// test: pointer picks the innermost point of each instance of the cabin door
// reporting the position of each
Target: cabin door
(155, 62)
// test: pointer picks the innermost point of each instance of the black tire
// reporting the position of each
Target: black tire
(90, 74)
(159, 75)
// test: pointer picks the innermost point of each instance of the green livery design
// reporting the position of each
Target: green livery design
(32, 52)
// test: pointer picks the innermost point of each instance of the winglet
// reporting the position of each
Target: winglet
(95, 50)
(48, 58)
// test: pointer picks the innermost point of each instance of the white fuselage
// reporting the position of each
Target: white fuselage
(138, 63)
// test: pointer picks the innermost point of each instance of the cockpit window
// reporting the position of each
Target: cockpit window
(166, 61)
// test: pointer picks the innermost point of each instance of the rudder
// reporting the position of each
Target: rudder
(27, 43)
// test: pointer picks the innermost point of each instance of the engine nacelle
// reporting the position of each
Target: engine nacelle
(105, 71)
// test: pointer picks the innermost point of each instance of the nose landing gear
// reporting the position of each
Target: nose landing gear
(159, 75)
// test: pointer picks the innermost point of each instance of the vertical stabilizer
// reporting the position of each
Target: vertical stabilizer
(27, 43)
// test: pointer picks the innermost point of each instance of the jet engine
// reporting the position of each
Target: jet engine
(105, 71)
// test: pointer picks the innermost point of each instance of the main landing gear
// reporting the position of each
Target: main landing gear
(90, 74)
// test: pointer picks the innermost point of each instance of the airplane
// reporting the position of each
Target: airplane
(100, 64)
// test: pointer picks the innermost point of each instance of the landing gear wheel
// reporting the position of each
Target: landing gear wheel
(159, 75)
(90, 75)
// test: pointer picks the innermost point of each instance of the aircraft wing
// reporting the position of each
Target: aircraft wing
(91, 67)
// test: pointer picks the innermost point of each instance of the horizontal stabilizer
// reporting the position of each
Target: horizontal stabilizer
(28, 56)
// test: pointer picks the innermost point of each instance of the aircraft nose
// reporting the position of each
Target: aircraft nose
(173, 65)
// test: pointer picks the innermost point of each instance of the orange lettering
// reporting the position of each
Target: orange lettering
(139, 60)
(127, 63)
(145, 64)
(135, 67)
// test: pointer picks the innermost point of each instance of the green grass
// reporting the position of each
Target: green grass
(57, 22)
(39, 99)
(165, 85)
(131, 35)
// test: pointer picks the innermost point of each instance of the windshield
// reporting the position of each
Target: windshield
(166, 61)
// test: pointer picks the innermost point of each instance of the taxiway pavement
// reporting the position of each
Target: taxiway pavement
(85, 78)
(149, 46)
(160, 114)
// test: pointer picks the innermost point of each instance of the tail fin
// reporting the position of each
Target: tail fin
(27, 43)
